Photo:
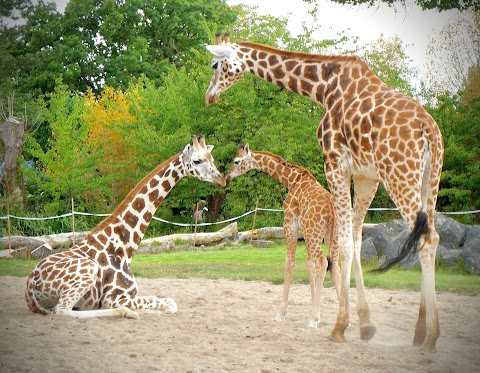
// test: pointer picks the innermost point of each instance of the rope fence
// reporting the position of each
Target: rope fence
(206, 224)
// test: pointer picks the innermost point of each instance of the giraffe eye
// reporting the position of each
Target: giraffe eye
(197, 161)
(236, 162)
(215, 65)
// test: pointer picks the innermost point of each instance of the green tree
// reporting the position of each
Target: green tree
(389, 61)
(68, 165)
(460, 126)
(105, 41)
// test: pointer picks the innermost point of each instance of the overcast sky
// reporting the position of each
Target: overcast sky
(411, 24)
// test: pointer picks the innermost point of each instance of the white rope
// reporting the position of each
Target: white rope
(215, 223)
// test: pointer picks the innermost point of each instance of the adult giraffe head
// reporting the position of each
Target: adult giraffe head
(227, 68)
(199, 163)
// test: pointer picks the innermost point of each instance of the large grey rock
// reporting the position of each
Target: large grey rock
(448, 257)
(394, 247)
(368, 249)
(471, 249)
(456, 240)
(452, 233)
(382, 234)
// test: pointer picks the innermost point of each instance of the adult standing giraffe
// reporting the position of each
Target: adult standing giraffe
(93, 278)
(369, 133)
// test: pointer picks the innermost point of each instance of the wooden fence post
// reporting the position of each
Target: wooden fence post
(254, 220)
(196, 222)
(8, 228)
(73, 224)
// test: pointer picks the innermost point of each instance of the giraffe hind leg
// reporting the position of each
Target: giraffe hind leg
(71, 294)
(291, 234)
(427, 329)
(318, 277)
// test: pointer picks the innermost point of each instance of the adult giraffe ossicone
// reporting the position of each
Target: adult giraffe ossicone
(94, 276)
(308, 208)
(369, 133)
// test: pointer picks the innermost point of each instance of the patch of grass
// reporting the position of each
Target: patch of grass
(247, 263)
(16, 267)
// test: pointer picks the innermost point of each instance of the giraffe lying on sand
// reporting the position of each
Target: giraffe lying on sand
(308, 207)
(93, 278)
(369, 133)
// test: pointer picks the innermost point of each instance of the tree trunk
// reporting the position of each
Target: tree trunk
(200, 238)
(12, 132)
(214, 206)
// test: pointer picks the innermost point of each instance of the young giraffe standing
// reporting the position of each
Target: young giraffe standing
(308, 207)
(369, 133)
(94, 276)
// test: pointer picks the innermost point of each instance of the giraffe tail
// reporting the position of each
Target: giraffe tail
(410, 246)
(32, 301)
(330, 263)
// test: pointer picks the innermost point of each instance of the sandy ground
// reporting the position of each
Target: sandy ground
(227, 326)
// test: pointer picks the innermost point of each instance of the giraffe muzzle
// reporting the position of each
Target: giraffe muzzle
(211, 98)
(220, 182)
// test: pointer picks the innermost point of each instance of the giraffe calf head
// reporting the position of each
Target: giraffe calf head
(199, 163)
(242, 163)
(227, 69)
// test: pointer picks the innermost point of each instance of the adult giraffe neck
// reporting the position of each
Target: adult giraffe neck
(131, 218)
(309, 75)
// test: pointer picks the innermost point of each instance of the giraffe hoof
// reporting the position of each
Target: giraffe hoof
(430, 349)
(418, 340)
(280, 318)
(367, 332)
(337, 337)
(313, 323)
(429, 345)
(132, 315)
(169, 306)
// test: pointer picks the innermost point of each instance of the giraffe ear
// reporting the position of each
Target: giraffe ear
(209, 148)
(187, 152)
(221, 50)
(247, 149)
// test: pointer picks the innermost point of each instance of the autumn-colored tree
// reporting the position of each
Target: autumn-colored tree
(106, 115)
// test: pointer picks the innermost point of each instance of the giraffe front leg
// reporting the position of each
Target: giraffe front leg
(343, 316)
(153, 303)
(365, 190)
(289, 269)
(339, 179)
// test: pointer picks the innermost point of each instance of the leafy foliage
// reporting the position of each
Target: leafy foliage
(460, 125)
(97, 42)
(69, 166)
(388, 60)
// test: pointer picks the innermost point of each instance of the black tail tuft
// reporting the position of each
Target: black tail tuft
(410, 246)
(330, 264)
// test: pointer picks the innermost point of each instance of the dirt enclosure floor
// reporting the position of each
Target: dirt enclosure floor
(228, 326)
